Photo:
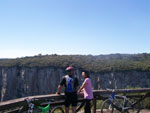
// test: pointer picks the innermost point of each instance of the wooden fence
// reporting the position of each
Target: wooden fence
(12, 106)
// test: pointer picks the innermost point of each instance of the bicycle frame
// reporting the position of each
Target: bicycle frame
(39, 107)
(121, 106)
(32, 105)
(125, 104)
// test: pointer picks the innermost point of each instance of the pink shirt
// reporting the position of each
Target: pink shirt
(87, 90)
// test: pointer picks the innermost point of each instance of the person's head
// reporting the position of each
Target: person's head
(85, 74)
(70, 70)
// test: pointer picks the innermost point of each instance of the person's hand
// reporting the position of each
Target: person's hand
(79, 91)
(58, 93)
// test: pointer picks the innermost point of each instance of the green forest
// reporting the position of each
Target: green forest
(97, 63)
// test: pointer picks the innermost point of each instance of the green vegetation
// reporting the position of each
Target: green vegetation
(99, 63)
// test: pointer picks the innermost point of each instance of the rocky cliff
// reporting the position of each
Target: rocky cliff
(16, 82)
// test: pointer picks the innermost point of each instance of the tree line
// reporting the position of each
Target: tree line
(97, 63)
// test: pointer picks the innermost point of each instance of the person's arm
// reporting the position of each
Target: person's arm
(82, 86)
(58, 89)
(60, 86)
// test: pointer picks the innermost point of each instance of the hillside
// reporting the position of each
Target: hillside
(99, 63)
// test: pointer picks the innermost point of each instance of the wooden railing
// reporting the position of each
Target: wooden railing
(13, 105)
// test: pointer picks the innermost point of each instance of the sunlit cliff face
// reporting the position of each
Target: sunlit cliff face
(21, 82)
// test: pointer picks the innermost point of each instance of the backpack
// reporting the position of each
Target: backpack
(69, 84)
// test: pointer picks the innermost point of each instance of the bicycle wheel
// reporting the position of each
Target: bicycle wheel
(57, 109)
(134, 108)
(107, 107)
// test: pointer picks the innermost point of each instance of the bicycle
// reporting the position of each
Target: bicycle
(116, 103)
(45, 107)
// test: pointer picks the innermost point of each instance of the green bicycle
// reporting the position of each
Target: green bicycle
(42, 108)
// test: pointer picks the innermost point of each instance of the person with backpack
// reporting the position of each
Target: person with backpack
(86, 87)
(71, 83)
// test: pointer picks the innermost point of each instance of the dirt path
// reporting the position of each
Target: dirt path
(145, 111)
(142, 111)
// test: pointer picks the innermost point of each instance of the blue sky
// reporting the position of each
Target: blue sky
(31, 27)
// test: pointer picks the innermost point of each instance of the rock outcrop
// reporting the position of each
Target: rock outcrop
(16, 82)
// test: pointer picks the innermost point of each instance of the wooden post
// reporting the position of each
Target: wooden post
(94, 103)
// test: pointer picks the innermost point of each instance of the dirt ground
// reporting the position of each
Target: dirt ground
(145, 111)
(142, 111)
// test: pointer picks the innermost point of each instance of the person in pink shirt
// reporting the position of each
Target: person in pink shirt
(86, 87)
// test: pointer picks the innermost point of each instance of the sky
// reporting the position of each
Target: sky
(68, 27)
